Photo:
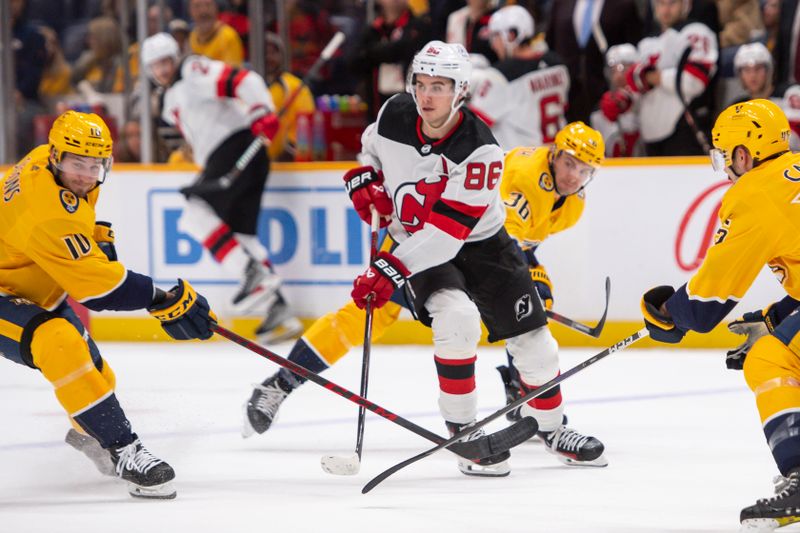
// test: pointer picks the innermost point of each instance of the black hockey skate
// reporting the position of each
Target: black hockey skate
(780, 510)
(512, 388)
(574, 449)
(147, 475)
(258, 286)
(492, 466)
(280, 324)
(91, 449)
(262, 407)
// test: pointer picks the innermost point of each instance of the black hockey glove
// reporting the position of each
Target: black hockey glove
(658, 322)
(104, 237)
(754, 325)
(183, 313)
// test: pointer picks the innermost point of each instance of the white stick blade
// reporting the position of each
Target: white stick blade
(341, 466)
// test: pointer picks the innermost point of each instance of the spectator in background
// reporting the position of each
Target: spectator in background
(234, 15)
(753, 66)
(57, 72)
(29, 58)
(101, 63)
(385, 51)
(469, 26)
(154, 20)
(770, 16)
(787, 44)
(179, 29)
(740, 21)
(281, 86)
(211, 37)
(309, 32)
(128, 148)
(580, 32)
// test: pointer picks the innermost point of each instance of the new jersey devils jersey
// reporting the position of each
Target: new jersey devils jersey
(210, 100)
(660, 108)
(445, 191)
(522, 100)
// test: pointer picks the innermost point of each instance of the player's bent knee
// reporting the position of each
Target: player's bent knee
(456, 324)
(765, 361)
(535, 355)
(63, 356)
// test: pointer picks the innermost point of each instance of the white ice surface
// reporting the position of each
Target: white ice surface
(682, 437)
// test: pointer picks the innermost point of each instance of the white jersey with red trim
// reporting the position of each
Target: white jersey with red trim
(623, 136)
(210, 100)
(660, 108)
(445, 192)
(522, 100)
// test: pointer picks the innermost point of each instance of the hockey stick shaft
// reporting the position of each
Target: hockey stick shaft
(687, 113)
(583, 328)
(535, 393)
(256, 145)
(362, 412)
(468, 450)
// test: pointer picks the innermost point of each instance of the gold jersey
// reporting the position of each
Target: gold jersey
(47, 249)
(759, 224)
(534, 210)
(280, 91)
(224, 45)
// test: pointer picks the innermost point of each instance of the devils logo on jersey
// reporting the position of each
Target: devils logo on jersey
(414, 201)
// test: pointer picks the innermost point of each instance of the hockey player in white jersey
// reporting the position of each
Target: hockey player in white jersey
(665, 130)
(523, 96)
(617, 117)
(220, 110)
(432, 170)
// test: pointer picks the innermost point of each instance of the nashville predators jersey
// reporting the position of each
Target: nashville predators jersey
(759, 224)
(534, 210)
(47, 249)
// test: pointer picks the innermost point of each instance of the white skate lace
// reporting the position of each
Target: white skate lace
(271, 397)
(568, 440)
(136, 457)
(784, 487)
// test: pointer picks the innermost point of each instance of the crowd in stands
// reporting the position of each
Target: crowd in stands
(72, 54)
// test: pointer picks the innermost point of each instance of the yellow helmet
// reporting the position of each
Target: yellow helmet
(583, 142)
(83, 134)
(758, 125)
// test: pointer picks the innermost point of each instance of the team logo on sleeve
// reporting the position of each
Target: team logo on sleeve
(523, 307)
(69, 201)
(546, 182)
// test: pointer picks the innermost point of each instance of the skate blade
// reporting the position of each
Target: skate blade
(471, 469)
(341, 466)
(288, 329)
(766, 525)
(165, 491)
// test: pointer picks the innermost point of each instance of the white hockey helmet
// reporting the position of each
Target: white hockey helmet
(157, 47)
(512, 18)
(621, 54)
(750, 55)
(446, 60)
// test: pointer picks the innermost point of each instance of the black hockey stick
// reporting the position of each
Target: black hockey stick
(350, 465)
(583, 328)
(624, 343)
(203, 186)
(687, 113)
(492, 444)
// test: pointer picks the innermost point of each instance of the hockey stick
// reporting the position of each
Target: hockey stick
(202, 186)
(350, 465)
(491, 444)
(583, 328)
(687, 113)
(624, 343)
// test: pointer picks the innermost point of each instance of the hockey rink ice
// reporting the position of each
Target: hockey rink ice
(682, 437)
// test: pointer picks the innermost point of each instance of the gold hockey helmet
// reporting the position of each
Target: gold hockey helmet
(82, 134)
(582, 142)
(758, 125)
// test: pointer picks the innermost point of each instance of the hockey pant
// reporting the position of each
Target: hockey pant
(772, 371)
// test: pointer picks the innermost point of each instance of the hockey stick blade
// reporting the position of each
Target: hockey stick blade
(535, 393)
(583, 328)
(497, 442)
(341, 466)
